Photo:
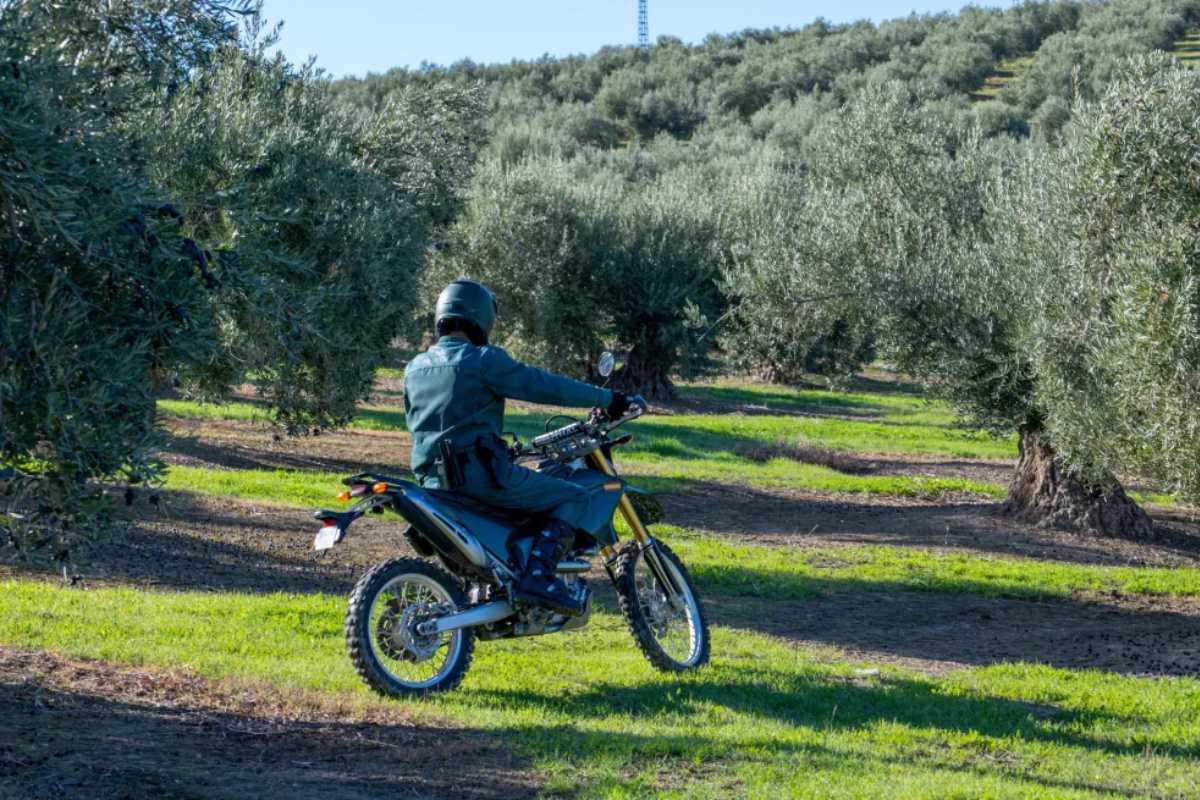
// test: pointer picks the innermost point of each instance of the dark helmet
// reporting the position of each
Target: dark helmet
(469, 302)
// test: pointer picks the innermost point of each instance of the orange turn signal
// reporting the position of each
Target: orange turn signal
(379, 488)
(344, 495)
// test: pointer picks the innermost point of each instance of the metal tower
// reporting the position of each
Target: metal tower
(643, 26)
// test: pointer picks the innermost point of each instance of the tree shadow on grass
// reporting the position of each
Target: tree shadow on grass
(819, 703)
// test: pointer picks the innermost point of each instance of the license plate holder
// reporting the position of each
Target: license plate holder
(327, 537)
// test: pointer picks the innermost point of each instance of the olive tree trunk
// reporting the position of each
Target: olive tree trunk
(1043, 492)
(645, 376)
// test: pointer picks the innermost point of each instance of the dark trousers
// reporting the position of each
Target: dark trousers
(526, 490)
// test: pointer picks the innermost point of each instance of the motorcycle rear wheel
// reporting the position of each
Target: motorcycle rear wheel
(673, 636)
(385, 648)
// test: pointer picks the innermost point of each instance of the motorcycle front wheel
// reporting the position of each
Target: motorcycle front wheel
(668, 623)
(388, 651)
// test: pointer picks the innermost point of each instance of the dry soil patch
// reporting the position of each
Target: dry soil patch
(199, 542)
(810, 519)
(74, 729)
(935, 632)
(236, 444)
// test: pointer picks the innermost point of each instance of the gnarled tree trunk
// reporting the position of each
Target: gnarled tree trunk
(646, 377)
(1042, 492)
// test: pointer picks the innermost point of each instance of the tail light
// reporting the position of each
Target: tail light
(358, 490)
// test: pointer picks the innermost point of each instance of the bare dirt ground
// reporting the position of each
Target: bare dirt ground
(75, 729)
(809, 519)
(210, 543)
(230, 444)
(936, 633)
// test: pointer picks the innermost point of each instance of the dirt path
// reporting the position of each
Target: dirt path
(775, 516)
(196, 542)
(936, 633)
(809, 519)
(73, 729)
(238, 545)
(233, 444)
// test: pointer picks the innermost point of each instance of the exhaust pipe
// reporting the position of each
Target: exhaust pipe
(480, 615)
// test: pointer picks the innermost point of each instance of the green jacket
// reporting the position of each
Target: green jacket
(457, 390)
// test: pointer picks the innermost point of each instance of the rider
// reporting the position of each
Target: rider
(454, 398)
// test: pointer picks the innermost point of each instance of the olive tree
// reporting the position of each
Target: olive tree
(931, 228)
(317, 216)
(100, 292)
(1117, 350)
(791, 313)
(582, 260)
(177, 209)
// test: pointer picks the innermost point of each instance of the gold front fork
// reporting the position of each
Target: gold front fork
(596, 460)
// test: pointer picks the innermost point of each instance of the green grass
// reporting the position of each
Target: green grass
(726, 568)
(374, 418)
(1007, 72)
(776, 572)
(1187, 49)
(287, 487)
(764, 720)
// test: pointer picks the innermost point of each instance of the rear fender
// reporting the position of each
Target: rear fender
(335, 523)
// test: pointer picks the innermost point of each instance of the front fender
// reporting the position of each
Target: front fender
(647, 506)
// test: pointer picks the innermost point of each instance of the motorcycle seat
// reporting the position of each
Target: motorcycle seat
(511, 516)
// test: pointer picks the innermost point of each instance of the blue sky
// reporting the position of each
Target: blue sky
(353, 37)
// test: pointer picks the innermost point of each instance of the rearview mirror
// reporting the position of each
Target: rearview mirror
(608, 363)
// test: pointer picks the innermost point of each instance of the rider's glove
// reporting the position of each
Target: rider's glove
(619, 405)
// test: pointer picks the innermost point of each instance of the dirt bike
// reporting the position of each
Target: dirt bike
(412, 623)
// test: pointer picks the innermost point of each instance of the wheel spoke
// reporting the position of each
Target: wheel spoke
(409, 657)
(672, 620)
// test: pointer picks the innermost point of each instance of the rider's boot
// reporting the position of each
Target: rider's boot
(540, 585)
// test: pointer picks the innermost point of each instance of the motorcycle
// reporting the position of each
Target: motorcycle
(412, 623)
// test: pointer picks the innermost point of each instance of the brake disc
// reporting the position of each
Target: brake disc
(420, 647)
(396, 632)
(658, 612)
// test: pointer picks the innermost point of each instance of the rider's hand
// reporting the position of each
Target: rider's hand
(619, 405)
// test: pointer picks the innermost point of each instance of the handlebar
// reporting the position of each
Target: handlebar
(634, 413)
(558, 435)
(596, 427)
